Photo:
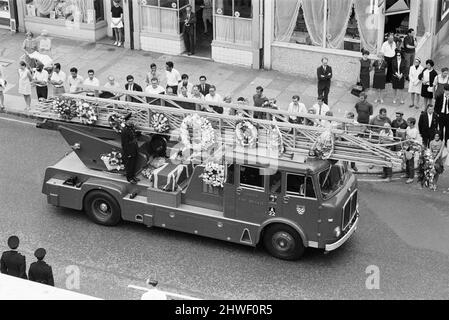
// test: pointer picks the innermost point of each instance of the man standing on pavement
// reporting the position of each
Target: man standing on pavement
(75, 80)
(324, 74)
(12, 262)
(58, 79)
(40, 79)
(131, 86)
(173, 77)
(399, 125)
(259, 100)
(189, 30)
(428, 125)
(40, 271)
(442, 109)
(389, 51)
(320, 107)
(364, 109)
(412, 134)
(92, 81)
(203, 86)
(409, 50)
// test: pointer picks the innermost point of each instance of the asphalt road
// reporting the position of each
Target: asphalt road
(403, 231)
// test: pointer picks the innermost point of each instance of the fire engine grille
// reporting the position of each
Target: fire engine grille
(349, 210)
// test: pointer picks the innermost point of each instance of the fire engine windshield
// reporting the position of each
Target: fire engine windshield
(332, 179)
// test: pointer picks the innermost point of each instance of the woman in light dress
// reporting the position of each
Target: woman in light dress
(207, 13)
(25, 78)
(414, 87)
(439, 82)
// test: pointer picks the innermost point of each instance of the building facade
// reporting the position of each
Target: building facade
(285, 35)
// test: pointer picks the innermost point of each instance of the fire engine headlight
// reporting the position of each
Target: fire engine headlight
(337, 231)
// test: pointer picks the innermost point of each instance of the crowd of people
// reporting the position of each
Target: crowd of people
(13, 264)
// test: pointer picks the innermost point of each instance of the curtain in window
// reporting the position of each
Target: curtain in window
(243, 31)
(367, 24)
(314, 18)
(338, 18)
(286, 15)
(44, 6)
(169, 21)
(150, 19)
(224, 28)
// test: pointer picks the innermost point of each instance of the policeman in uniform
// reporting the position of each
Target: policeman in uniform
(130, 149)
(40, 271)
(12, 262)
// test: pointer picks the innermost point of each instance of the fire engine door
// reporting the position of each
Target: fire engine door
(251, 197)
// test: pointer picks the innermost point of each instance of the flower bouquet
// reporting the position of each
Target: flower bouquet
(159, 123)
(213, 174)
(116, 122)
(86, 112)
(246, 134)
(193, 124)
(323, 148)
(113, 161)
(426, 171)
(65, 108)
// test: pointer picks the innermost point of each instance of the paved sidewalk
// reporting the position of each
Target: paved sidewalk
(230, 80)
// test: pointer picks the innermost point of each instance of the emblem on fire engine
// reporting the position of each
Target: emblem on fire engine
(300, 209)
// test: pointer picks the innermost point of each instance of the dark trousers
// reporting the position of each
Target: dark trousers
(426, 140)
(130, 167)
(409, 59)
(410, 168)
(389, 62)
(444, 127)
(189, 40)
(324, 91)
(388, 172)
(42, 92)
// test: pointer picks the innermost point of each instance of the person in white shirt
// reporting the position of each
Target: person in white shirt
(320, 107)
(296, 107)
(227, 111)
(153, 73)
(154, 87)
(213, 96)
(40, 80)
(74, 80)
(389, 51)
(196, 94)
(184, 93)
(185, 83)
(58, 79)
(91, 80)
(113, 85)
(411, 134)
(173, 77)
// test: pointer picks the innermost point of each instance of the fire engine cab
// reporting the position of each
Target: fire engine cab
(287, 204)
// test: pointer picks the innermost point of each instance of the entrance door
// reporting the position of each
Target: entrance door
(397, 16)
(204, 25)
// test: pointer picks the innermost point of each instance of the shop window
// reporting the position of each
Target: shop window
(233, 21)
(352, 36)
(82, 11)
(4, 9)
(300, 34)
(444, 9)
(162, 16)
(250, 176)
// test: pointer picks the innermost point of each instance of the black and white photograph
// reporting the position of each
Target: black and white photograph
(236, 153)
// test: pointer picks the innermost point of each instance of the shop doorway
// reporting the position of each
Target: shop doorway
(203, 40)
(110, 38)
(397, 17)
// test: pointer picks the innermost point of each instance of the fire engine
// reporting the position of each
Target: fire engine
(218, 183)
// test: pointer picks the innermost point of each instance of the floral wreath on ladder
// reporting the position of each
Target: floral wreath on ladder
(213, 174)
(159, 122)
(193, 124)
(65, 108)
(246, 134)
(323, 147)
(86, 112)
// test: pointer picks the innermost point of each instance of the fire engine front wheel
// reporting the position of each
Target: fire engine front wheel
(102, 208)
(283, 242)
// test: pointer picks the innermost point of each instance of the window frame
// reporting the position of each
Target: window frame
(159, 8)
(295, 195)
(248, 186)
(234, 19)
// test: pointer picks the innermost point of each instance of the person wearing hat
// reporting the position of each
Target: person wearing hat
(12, 262)
(399, 125)
(414, 85)
(40, 271)
(130, 149)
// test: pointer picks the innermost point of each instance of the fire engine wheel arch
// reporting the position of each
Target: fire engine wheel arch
(283, 241)
(102, 207)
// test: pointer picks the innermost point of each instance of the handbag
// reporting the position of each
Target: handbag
(357, 89)
(429, 89)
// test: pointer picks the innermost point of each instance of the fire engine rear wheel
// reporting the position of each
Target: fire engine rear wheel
(102, 208)
(283, 242)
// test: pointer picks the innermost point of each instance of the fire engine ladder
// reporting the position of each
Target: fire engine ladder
(353, 142)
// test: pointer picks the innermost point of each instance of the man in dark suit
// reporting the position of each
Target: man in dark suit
(12, 262)
(203, 86)
(130, 149)
(428, 125)
(442, 109)
(188, 29)
(40, 271)
(131, 86)
(324, 74)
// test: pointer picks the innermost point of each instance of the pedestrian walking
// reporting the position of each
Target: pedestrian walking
(117, 22)
(324, 74)
(389, 51)
(40, 271)
(259, 100)
(40, 80)
(380, 67)
(442, 109)
(365, 69)
(398, 77)
(188, 29)
(58, 79)
(409, 46)
(25, 78)
(12, 262)
(173, 77)
(412, 135)
(364, 109)
(3, 84)
(428, 125)
(440, 81)
(414, 85)
(427, 77)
